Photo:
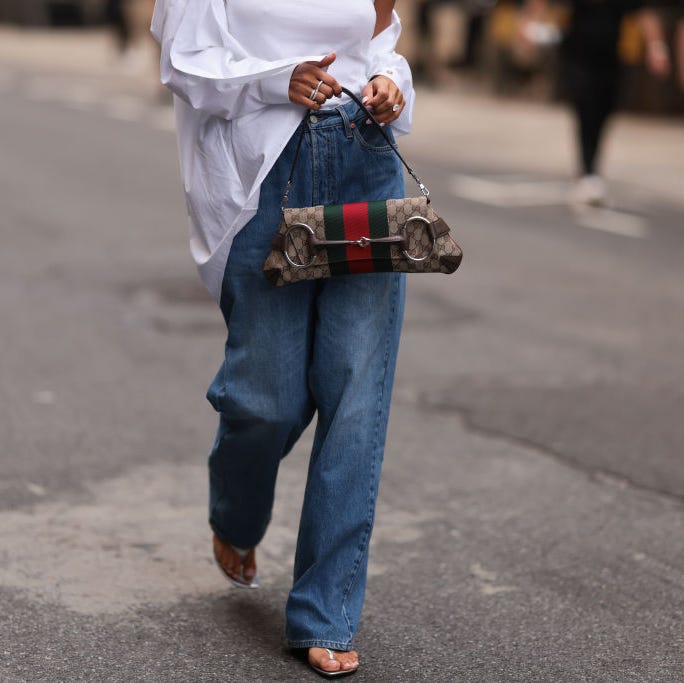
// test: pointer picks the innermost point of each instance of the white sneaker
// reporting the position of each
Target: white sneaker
(589, 190)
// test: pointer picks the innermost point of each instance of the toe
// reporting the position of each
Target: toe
(228, 559)
(319, 657)
(249, 569)
(348, 660)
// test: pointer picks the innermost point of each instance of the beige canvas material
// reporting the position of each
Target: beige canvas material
(445, 258)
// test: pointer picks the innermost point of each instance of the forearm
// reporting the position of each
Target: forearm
(657, 53)
(206, 66)
(651, 26)
(385, 61)
(383, 13)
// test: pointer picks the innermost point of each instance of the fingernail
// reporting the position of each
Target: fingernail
(365, 99)
(382, 124)
(368, 121)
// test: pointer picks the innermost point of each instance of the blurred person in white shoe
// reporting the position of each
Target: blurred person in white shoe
(590, 72)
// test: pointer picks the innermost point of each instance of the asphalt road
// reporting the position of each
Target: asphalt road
(531, 520)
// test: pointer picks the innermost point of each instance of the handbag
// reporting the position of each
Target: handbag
(401, 235)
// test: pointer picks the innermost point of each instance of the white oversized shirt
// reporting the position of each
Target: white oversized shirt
(229, 64)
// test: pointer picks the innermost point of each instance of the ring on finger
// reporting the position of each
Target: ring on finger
(396, 107)
(314, 92)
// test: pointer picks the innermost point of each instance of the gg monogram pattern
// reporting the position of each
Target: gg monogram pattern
(445, 256)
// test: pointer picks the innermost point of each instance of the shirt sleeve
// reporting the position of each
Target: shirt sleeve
(385, 61)
(209, 68)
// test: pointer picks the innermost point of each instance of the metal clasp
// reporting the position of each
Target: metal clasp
(314, 243)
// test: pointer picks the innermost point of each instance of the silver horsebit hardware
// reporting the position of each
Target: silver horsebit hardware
(363, 242)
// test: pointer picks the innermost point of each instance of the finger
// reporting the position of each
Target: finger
(379, 97)
(389, 115)
(395, 98)
(303, 92)
(326, 61)
(304, 99)
(367, 93)
(320, 75)
(326, 91)
(384, 109)
(320, 99)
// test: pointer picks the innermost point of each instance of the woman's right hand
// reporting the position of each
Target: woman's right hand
(306, 77)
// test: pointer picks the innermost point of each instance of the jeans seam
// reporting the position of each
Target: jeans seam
(331, 148)
(363, 547)
(314, 168)
(315, 642)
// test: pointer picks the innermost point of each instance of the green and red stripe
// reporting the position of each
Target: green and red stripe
(352, 222)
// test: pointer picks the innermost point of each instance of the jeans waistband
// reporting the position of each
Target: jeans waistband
(341, 116)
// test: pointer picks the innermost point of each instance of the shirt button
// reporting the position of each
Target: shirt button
(313, 119)
(389, 71)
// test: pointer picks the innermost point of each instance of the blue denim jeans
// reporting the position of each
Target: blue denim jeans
(327, 347)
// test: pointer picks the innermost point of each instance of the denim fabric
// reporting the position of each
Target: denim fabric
(328, 347)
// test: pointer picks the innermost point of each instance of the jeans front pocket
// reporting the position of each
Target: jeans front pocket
(369, 137)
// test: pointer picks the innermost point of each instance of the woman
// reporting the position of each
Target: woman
(590, 73)
(244, 75)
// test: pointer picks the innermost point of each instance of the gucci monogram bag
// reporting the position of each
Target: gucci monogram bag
(402, 235)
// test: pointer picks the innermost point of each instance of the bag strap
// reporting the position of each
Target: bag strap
(362, 106)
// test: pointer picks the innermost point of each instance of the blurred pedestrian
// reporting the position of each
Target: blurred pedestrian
(244, 77)
(116, 16)
(473, 11)
(658, 54)
(590, 70)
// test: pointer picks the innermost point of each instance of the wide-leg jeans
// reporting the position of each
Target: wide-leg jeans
(327, 347)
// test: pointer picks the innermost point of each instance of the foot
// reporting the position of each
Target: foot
(590, 190)
(320, 658)
(238, 565)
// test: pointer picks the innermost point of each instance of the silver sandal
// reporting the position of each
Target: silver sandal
(331, 674)
(241, 582)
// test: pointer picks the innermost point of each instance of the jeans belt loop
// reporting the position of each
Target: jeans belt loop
(345, 118)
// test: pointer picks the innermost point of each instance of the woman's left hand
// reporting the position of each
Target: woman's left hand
(384, 98)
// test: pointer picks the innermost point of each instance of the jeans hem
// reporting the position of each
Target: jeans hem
(330, 644)
(227, 541)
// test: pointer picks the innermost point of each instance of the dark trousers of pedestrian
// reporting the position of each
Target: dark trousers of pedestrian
(592, 90)
(117, 19)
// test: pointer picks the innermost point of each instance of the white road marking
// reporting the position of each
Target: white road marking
(486, 579)
(512, 192)
(479, 572)
(35, 489)
(81, 97)
(488, 589)
(8, 81)
(125, 108)
(41, 91)
(616, 222)
(518, 193)
(163, 118)
(86, 97)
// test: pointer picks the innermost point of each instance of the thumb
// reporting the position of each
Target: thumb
(327, 60)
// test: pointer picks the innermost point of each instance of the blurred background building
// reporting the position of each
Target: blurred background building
(476, 41)
(128, 19)
(483, 40)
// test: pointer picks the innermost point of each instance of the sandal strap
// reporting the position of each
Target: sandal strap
(241, 552)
